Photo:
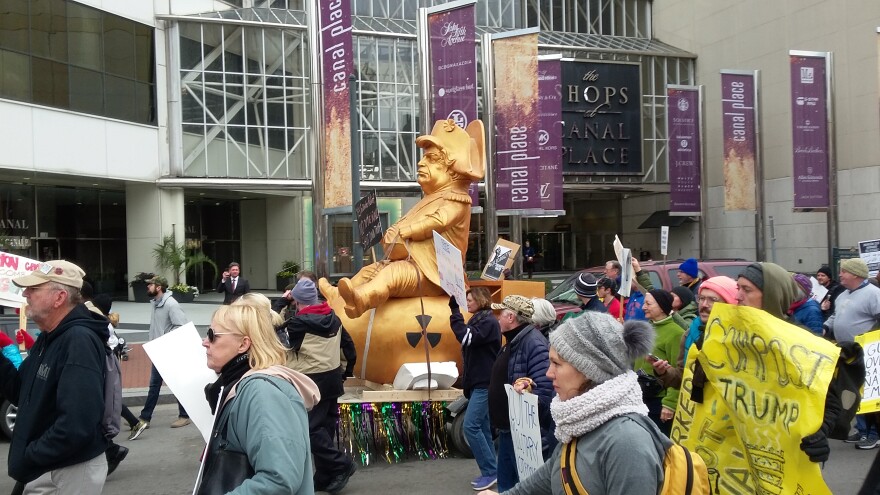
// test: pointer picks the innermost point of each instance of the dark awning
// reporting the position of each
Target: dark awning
(662, 217)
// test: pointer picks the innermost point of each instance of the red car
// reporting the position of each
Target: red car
(663, 275)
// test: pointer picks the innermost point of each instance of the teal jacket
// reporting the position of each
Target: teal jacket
(266, 418)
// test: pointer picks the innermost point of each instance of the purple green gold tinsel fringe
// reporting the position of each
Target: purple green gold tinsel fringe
(394, 431)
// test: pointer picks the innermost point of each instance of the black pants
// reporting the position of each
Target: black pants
(329, 461)
(655, 405)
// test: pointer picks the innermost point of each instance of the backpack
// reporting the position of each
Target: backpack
(684, 473)
(111, 421)
(845, 388)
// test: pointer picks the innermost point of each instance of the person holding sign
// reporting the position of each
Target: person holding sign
(599, 411)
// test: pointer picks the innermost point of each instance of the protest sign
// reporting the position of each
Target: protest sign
(525, 430)
(869, 251)
(502, 257)
(13, 266)
(664, 239)
(449, 265)
(818, 291)
(369, 226)
(624, 257)
(183, 364)
(766, 382)
(870, 343)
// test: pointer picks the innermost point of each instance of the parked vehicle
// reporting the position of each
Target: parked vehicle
(663, 275)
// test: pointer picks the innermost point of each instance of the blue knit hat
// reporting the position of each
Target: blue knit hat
(690, 267)
(305, 292)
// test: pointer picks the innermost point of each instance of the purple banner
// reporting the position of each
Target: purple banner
(550, 132)
(517, 159)
(336, 58)
(740, 140)
(453, 64)
(683, 114)
(809, 116)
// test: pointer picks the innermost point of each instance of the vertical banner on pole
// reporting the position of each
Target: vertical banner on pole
(739, 135)
(452, 61)
(517, 159)
(336, 58)
(683, 114)
(550, 132)
(664, 239)
(809, 115)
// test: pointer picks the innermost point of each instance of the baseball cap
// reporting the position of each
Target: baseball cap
(158, 280)
(518, 304)
(58, 271)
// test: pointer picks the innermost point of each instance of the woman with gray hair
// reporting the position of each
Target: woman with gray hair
(601, 421)
(544, 316)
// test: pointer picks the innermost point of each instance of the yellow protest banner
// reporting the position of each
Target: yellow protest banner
(765, 389)
(870, 342)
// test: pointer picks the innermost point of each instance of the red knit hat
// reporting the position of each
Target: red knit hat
(724, 286)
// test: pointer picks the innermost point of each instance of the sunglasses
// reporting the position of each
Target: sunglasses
(212, 335)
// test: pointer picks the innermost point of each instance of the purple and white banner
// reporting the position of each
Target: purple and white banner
(337, 61)
(453, 66)
(739, 135)
(550, 132)
(517, 158)
(809, 125)
(683, 121)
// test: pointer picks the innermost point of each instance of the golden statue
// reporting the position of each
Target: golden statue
(453, 158)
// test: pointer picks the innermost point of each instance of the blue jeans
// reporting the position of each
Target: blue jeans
(508, 476)
(478, 432)
(153, 397)
(864, 428)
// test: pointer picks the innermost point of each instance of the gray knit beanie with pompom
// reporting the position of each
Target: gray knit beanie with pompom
(600, 347)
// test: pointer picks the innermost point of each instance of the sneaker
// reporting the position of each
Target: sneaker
(138, 429)
(114, 457)
(868, 443)
(340, 480)
(476, 480)
(181, 422)
(485, 482)
(855, 438)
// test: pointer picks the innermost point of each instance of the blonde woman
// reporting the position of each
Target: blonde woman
(263, 302)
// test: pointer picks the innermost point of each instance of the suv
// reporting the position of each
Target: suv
(663, 275)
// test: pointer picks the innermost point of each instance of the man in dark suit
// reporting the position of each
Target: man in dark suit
(233, 286)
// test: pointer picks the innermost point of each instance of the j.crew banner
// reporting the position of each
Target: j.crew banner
(809, 115)
(550, 132)
(738, 119)
(517, 158)
(684, 148)
(336, 58)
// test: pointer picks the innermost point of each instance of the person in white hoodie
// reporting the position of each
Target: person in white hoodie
(261, 407)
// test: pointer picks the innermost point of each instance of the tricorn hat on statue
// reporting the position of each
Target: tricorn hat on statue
(465, 147)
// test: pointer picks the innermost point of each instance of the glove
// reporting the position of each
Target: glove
(24, 338)
(453, 304)
(816, 447)
(5, 340)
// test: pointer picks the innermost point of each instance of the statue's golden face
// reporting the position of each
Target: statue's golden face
(433, 170)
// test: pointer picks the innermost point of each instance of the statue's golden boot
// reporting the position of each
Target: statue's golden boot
(364, 298)
(327, 289)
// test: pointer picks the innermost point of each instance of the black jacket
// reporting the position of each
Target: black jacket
(242, 287)
(313, 332)
(480, 342)
(59, 390)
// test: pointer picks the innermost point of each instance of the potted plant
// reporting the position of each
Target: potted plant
(139, 286)
(287, 274)
(182, 293)
(177, 258)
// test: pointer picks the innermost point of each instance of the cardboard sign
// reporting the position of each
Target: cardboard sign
(369, 225)
(870, 342)
(525, 430)
(14, 266)
(502, 257)
(624, 257)
(869, 251)
(449, 265)
(765, 391)
(183, 364)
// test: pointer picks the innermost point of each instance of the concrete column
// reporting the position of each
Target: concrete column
(253, 244)
(285, 238)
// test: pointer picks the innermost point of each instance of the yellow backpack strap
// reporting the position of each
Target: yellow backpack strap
(571, 483)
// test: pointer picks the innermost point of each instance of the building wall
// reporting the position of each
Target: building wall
(758, 35)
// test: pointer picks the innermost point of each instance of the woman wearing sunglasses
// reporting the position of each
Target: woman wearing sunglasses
(261, 424)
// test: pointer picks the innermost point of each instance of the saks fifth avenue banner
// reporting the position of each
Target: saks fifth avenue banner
(517, 159)
(336, 57)
(809, 116)
(550, 132)
(738, 109)
(453, 65)
(683, 122)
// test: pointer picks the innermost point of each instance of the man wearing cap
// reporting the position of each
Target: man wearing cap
(167, 315)
(453, 158)
(689, 275)
(316, 334)
(58, 443)
(585, 286)
(524, 358)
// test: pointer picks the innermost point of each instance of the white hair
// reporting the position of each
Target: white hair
(544, 314)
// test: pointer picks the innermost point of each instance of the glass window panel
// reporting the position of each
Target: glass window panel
(253, 49)
(145, 103)
(49, 29)
(118, 46)
(190, 49)
(86, 91)
(14, 25)
(84, 36)
(143, 46)
(15, 76)
(49, 83)
(119, 98)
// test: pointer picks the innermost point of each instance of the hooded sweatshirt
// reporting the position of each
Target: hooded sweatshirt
(59, 391)
(315, 335)
(779, 290)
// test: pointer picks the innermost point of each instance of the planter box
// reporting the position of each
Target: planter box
(139, 288)
(184, 297)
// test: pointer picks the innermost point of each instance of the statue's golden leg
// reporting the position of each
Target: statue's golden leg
(327, 289)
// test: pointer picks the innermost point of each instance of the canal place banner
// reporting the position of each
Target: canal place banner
(765, 389)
